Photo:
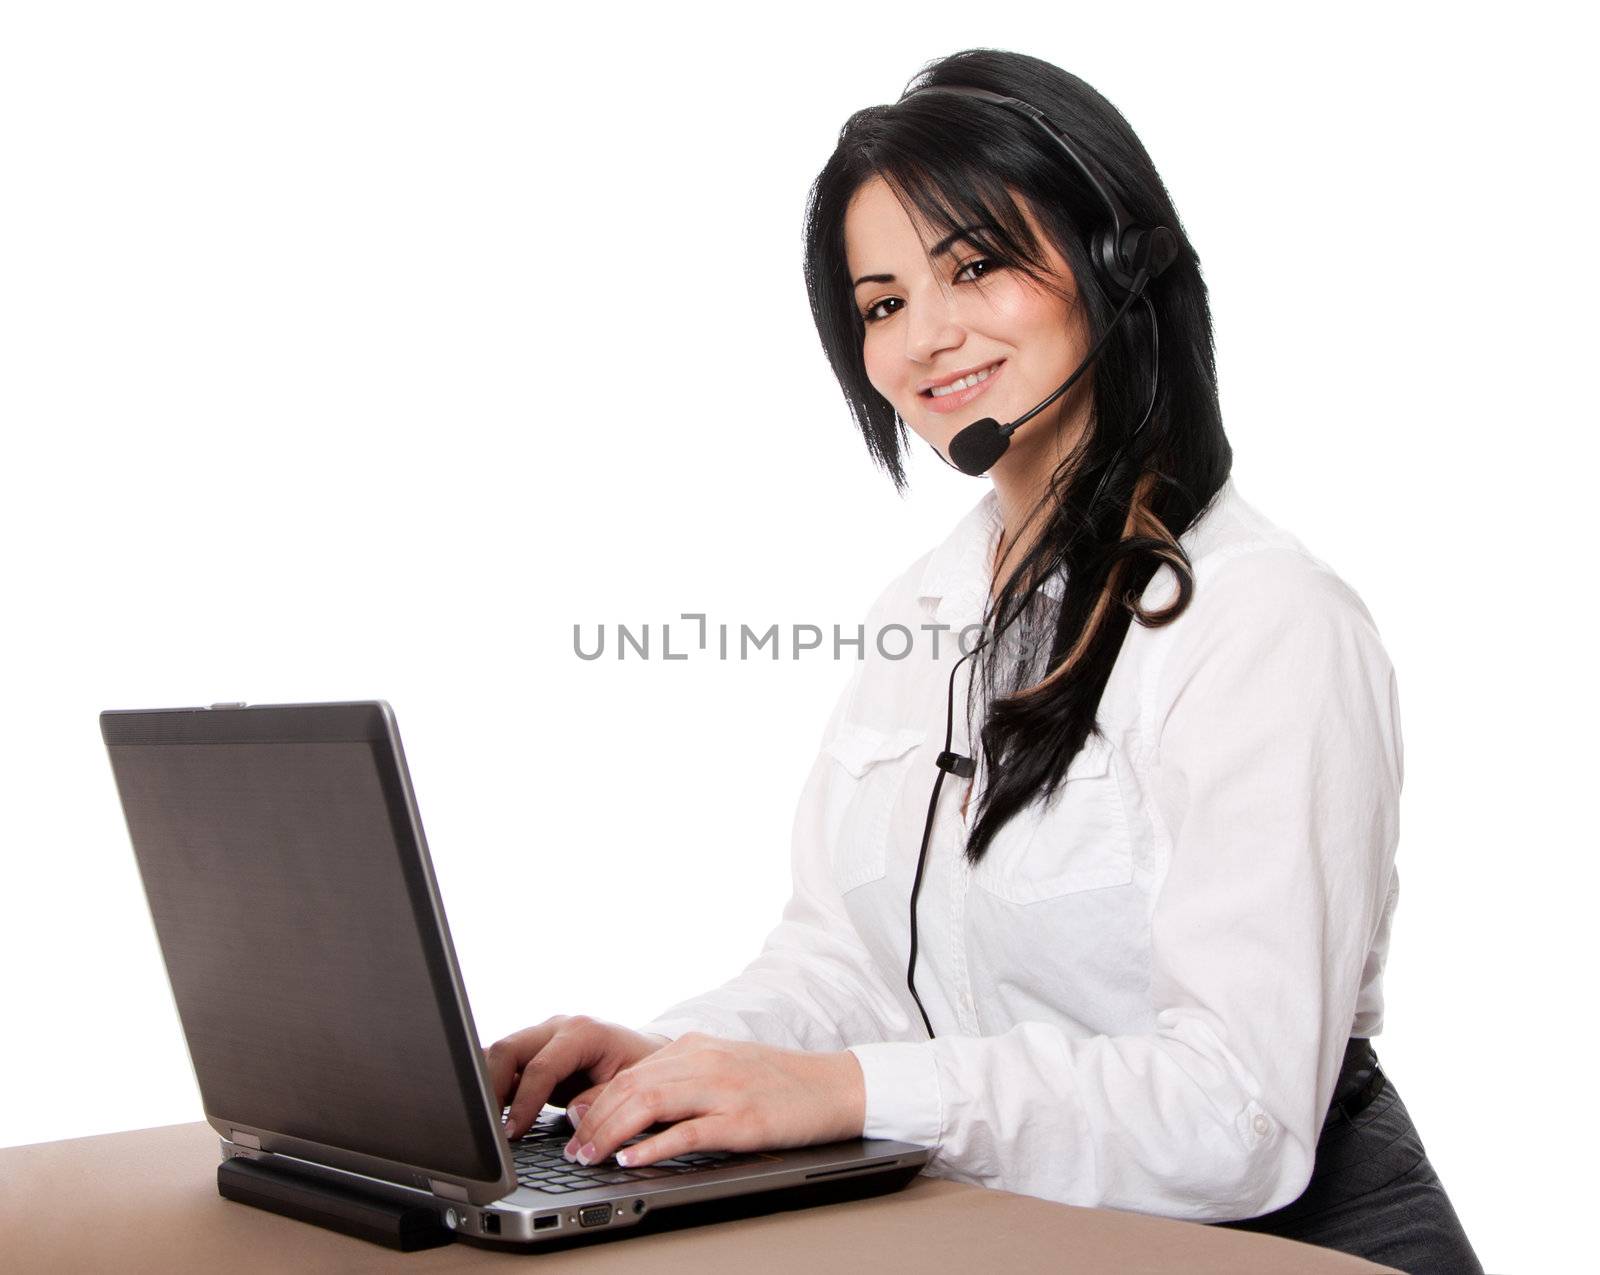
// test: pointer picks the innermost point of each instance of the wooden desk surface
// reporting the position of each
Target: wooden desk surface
(147, 1201)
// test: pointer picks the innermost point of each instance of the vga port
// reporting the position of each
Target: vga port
(594, 1215)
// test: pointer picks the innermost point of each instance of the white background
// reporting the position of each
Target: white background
(362, 350)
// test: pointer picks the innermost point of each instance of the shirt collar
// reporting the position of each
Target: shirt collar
(960, 571)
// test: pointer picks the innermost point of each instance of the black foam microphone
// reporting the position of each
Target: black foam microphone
(976, 448)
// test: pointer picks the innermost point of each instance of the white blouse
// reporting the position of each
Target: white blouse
(1141, 997)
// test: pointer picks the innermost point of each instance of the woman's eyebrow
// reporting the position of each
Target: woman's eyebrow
(939, 249)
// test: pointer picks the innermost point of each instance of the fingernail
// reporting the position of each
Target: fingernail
(571, 1148)
(587, 1155)
(576, 1113)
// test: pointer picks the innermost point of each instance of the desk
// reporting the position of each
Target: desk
(147, 1201)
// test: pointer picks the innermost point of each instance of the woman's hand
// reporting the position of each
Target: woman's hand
(723, 1095)
(564, 1060)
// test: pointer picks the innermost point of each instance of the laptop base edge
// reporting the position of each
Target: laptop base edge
(409, 1227)
(667, 1216)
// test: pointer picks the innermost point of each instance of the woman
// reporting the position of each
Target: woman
(1155, 900)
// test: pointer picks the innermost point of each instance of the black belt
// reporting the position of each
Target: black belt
(1360, 1081)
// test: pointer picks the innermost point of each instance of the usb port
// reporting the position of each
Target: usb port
(546, 1222)
(594, 1215)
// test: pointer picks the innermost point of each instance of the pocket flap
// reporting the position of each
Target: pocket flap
(1092, 761)
(856, 747)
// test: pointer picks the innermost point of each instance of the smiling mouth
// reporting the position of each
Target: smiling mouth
(965, 382)
(956, 399)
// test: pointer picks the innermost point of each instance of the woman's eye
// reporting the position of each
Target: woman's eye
(873, 313)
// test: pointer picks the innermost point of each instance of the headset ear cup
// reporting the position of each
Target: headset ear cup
(1163, 250)
(1137, 243)
(1152, 248)
(1112, 265)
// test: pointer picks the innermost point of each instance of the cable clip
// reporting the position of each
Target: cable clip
(956, 764)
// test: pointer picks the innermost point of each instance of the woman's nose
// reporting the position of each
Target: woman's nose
(932, 328)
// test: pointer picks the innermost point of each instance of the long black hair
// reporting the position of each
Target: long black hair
(961, 162)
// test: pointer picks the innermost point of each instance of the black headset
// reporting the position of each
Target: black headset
(1127, 256)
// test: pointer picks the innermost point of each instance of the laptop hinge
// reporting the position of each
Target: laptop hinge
(449, 1190)
(240, 1138)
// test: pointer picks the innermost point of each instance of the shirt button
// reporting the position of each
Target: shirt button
(1261, 1124)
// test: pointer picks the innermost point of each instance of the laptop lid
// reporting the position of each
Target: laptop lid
(292, 894)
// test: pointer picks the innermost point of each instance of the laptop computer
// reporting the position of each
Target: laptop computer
(293, 897)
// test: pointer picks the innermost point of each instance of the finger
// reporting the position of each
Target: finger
(682, 1138)
(567, 1053)
(542, 1074)
(581, 1102)
(502, 1069)
(632, 1103)
(506, 1057)
(682, 1059)
(505, 1099)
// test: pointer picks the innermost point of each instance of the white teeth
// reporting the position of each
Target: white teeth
(966, 382)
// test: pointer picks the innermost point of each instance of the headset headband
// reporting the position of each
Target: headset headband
(1127, 247)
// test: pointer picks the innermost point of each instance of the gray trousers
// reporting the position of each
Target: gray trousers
(1372, 1191)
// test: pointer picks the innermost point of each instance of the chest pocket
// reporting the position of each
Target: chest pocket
(873, 767)
(1079, 840)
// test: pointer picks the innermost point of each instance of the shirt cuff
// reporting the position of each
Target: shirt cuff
(904, 1099)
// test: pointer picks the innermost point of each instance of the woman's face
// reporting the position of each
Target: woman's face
(928, 325)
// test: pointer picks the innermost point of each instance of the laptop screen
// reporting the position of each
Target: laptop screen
(294, 908)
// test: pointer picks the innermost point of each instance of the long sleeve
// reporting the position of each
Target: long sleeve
(814, 985)
(1274, 768)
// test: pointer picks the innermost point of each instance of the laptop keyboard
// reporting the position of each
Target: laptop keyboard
(540, 1164)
